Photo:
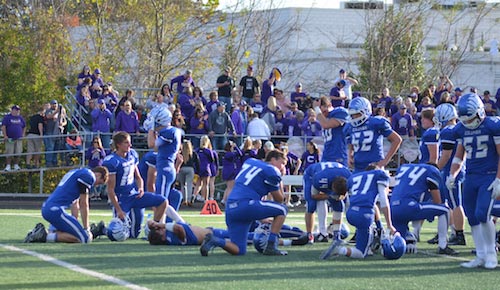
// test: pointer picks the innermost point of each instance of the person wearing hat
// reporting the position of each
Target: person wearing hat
(299, 96)
(490, 107)
(97, 84)
(249, 86)
(13, 128)
(225, 86)
(269, 84)
(220, 125)
(101, 123)
(456, 96)
(349, 82)
(337, 94)
(183, 81)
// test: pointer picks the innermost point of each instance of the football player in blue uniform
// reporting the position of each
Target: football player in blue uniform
(167, 145)
(73, 187)
(365, 188)
(318, 183)
(332, 121)
(365, 135)
(478, 142)
(147, 170)
(413, 181)
(445, 118)
(125, 185)
(245, 205)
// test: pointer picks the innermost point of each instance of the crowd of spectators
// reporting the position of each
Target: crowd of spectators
(232, 111)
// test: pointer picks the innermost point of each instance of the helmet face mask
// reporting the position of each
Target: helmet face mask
(260, 236)
(471, 111)
(359, 110)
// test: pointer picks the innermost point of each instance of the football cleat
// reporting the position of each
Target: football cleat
(447, 251)
(98, 230)
(207, 245)
(476, 263)
(37, 235)
(302, 240)
(434, 240)
(377, 235)
(272, 250)
(320, 238)
(333, 249)
(491, 261)
(458, 240)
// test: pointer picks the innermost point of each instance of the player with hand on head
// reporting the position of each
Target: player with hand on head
(365, 189)
(478, 141)
(125, 185)
(73, 187)
(244, 205)
(413, 181)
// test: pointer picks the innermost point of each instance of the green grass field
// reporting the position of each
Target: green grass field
(173, 267)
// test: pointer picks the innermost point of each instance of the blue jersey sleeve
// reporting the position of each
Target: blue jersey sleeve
(86, 177)
(111, 164)
(382, 126)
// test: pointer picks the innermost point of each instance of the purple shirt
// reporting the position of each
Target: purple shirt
(127, 122)
(402, 124)
(237, 119)
(311, 128)
(231, 164)
(308, 159)
(179, 80)
(14, 126)
(212, 106)
(335, 92)
(258, 108)
(101, 120)
(197, 126)
(95, 156)
(186, 107)
(267, 91)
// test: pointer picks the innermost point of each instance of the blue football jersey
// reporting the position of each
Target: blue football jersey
(335, 146)
(169, 142)
(255, 180)
(325, 173)
(480, 145)
(430, 137)
(413, 181)
(368, 140)
(147, 160)
(68, 189)
(363, 187)
(448, 136)
(124, 169)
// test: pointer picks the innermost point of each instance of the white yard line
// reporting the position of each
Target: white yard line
(74, 268)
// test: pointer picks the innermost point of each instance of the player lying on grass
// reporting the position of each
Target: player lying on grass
(73, 187)
(183, 234)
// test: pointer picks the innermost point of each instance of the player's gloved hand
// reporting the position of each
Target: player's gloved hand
(450, 183)
(495, 188)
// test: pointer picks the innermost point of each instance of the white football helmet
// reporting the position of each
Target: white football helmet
(159, 116)
(118, 230)
(471, 111)
(443, 114)
(361, 106)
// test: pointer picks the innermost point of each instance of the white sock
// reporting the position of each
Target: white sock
(417, 225)
(356, 254)
(478, 241)
(321, 209)
(343, 251)
(442, 231)
(51, 238)
(171, 213)
(488, 232)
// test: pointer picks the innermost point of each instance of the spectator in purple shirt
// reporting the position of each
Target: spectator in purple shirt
(214, 100)
(295, 124)
(206, 158)
(298, 96)
(110, 98)
(445, 85)
(13, 128)
(489, 106)
(402, 123)
(269, 84)
(127, 120)
(230, 168)
(85, 73)
(101, 122)
(257, 105)
(182, 81)
(309, 157)
(240, 120)
(97, 84)
(187, 103)
(337, 94)
(311, 126)
(198, 126)
(95, 154)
